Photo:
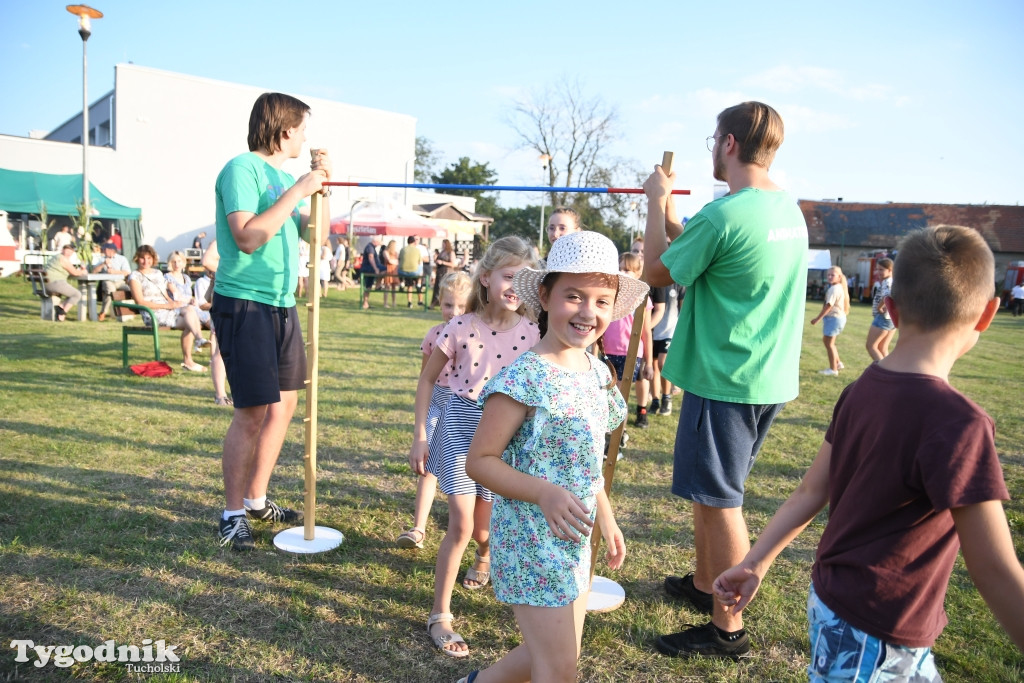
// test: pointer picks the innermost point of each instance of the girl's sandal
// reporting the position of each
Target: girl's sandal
(448, 638)
(481, 578)
(413, 538)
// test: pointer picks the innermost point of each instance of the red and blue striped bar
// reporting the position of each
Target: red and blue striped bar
(498, 188)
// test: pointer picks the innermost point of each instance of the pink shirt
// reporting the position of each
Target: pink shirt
(616, 337)
(427, 347)
(478, 352)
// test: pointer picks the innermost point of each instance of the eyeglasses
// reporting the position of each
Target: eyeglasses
(710, 141)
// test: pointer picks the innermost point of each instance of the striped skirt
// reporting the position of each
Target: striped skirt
(435, 412)
(448, 449)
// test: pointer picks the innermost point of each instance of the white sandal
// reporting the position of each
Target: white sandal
(447, 639)
(408, 539)
(482, 578)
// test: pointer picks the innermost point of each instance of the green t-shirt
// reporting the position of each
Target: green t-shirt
(743, 261)
(269, 274)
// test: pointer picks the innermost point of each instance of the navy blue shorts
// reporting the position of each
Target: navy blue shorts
(717, 443)
(262, 349)
(619, 363)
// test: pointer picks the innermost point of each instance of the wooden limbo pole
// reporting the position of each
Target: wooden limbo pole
(310, 538)
(605, 594)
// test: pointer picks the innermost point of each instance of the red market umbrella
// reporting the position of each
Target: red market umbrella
(373, 218)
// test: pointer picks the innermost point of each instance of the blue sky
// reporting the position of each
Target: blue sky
(883, 101)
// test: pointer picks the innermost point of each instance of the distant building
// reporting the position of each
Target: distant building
(160, 139)
(848, 228)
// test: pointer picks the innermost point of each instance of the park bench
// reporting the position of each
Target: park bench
(36, 274)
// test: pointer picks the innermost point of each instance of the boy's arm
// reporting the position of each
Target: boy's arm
(992, 562)
(735, 587)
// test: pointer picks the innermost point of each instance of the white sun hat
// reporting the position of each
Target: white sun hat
(582, 252)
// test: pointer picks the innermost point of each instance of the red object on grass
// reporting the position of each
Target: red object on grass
(154, 368)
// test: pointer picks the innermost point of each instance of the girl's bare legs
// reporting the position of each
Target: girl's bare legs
(878, 342)
(426, 488)
(217, 371)
(482, 536)
(461, 513)
(550, 649)
(832, 351)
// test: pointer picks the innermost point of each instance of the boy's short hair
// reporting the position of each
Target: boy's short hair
(943, 276)
(757, 128)
(272, 114)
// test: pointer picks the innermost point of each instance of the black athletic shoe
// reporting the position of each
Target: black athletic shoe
(655, 406)
(641, 421)
(235, 531)
(702, 640)
(682, 587)
(666, 406)
(275, 513)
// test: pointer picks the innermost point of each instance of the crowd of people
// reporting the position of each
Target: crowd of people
(517, 390)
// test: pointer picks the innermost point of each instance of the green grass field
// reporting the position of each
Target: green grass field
(111, 485)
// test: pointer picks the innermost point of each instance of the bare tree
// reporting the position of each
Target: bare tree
(572, 129)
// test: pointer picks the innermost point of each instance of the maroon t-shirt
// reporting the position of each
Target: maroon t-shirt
(906, 448)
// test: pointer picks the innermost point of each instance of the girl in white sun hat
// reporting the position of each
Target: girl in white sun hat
(539, 446)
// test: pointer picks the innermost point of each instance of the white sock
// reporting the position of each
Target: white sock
(255, 503)
(228, 514)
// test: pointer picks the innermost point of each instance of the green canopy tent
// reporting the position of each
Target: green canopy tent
(26, 192)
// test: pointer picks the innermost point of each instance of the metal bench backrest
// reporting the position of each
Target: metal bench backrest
(37, 276)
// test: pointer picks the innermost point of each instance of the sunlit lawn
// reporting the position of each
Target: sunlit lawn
(111, 485)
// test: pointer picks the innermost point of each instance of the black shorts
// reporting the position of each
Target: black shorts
(262, 349)
(660, 347)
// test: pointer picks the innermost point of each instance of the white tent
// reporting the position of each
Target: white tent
(819, 259)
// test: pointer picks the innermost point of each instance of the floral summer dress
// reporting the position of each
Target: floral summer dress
(563, 443)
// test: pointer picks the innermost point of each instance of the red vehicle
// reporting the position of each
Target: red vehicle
(866, 278)
(1014, 276)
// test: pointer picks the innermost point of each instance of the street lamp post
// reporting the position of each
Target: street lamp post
(85, 14)
(544, 159)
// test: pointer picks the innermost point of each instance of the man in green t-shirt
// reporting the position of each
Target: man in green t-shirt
(735, 351)
(260, 211)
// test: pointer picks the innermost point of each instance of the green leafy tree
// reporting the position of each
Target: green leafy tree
(468, 172)
(427, 160)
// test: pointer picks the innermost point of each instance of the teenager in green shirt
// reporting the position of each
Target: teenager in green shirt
(736, 347)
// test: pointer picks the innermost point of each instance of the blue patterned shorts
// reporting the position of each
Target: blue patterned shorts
(840, 652)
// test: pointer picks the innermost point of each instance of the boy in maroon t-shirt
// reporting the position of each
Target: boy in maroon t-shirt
(910, 473)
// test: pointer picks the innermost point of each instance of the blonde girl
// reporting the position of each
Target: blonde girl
(539, 445)
(833, 312)
(477, 345)
(454, 291)
(389, 256)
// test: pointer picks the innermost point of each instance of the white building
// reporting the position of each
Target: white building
(161, 138)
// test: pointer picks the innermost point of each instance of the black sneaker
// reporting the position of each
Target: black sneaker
(655, 406)
(666, 406)
(682, 587)
(702, 640)
(235, 531)
(641, 421)
(275, 513)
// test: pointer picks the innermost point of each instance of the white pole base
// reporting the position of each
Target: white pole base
(293, 540)
(605, 595)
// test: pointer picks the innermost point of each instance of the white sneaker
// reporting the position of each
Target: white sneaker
(829, 372)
